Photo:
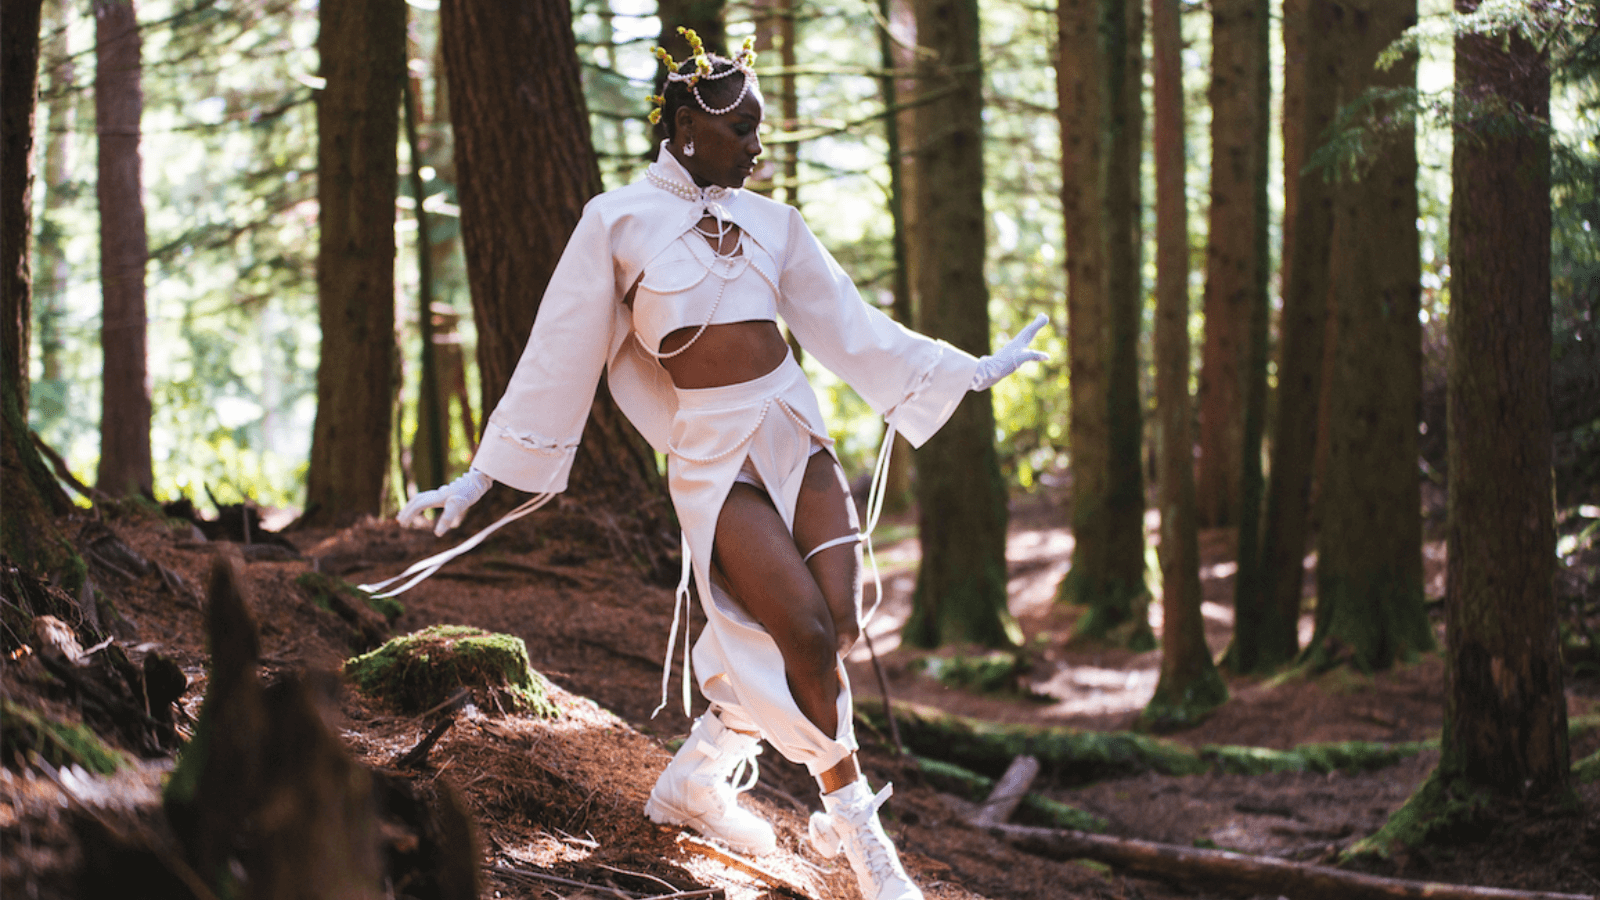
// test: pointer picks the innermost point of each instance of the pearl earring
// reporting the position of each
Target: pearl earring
(688, 149)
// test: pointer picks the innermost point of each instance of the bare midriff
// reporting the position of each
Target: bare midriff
(724, 354)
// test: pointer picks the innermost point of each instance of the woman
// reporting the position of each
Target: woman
(673, 286)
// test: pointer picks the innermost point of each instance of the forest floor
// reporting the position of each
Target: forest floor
(562, 797)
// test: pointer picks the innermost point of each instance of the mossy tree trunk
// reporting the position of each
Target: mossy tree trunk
(362, 49)
(29, 537)
(961, 584)
(1505, 715)
(1369, 572)
(1189, 686)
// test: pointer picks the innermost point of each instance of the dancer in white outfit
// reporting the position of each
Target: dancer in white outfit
(673, 286)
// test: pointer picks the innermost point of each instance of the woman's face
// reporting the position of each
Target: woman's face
(725, 147)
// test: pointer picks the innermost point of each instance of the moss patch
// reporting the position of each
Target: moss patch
(1165, 712)
(421, 670)
(1034, 809)
(1439, 810)
(324, 590)
(1338, 756)
(58, 743)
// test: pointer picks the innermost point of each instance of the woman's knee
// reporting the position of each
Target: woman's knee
(810, 644)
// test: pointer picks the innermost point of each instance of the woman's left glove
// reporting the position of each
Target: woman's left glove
(1010, 357)
(454, 497)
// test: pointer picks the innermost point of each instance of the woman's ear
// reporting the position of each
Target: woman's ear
(683, 123)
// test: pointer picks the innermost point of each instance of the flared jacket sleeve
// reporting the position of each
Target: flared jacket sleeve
(914, 381)
(532, 436)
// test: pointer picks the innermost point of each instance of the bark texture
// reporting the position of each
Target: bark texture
(1505, 715)
(125, 465)
(961, 585)
(362, 48)
(20, 88)
(1189, 686)
(1369, 572)
(526, 169)
(29, 538)
(1081, 92)
(1123, 601)
(1269, 636)
(1232, 263)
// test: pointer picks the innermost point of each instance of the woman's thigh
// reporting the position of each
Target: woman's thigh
(755, 555)
(825, 512)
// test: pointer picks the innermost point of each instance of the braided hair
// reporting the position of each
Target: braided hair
(718, 92)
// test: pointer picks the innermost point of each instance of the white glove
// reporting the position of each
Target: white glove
(454, 497)
(1010, 357)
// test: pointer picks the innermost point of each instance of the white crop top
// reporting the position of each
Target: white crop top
(689, 285)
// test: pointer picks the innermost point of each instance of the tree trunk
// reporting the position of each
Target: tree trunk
(1269, 637)
(48, 395)
(29, 537)
(961, 585)
(705, 17)
(1231, 255)
(1505, 716)
(1126, 597)
(1249, 588)
(1369, 572)
(125, 465)
(1082, 101)
(1189, 686)
(522, 192)
(893, 54)
(20, 87)
(362, 47)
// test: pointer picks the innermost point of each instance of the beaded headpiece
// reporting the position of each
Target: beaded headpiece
(742, 62)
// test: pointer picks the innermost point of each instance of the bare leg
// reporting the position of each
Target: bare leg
(810, 610)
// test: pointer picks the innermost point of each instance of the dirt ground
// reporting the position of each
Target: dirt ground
(557, 803)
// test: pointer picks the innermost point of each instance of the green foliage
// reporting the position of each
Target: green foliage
(25, 731)
(421, 670)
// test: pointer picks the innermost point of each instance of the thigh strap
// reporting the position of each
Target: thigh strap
(845, 539)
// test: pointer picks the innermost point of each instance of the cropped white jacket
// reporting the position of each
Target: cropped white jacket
(583, 327)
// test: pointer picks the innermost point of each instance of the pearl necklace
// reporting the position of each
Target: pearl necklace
(671, 185)
(714, 194)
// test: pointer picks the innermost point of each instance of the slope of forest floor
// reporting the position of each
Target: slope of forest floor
(557, 802)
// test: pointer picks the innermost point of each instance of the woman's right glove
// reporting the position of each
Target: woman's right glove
(454, 497)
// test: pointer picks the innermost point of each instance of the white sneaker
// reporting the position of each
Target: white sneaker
(696, 788)
(850, 823)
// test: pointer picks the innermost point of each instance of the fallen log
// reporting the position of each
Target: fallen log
(1194, 867)
(1008, 792)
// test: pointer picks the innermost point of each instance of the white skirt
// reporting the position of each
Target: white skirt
(774, 422)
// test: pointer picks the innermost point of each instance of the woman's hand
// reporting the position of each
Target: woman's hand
(1010, 357)
(454, 497)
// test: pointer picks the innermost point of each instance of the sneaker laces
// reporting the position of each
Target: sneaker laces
(830, 831)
